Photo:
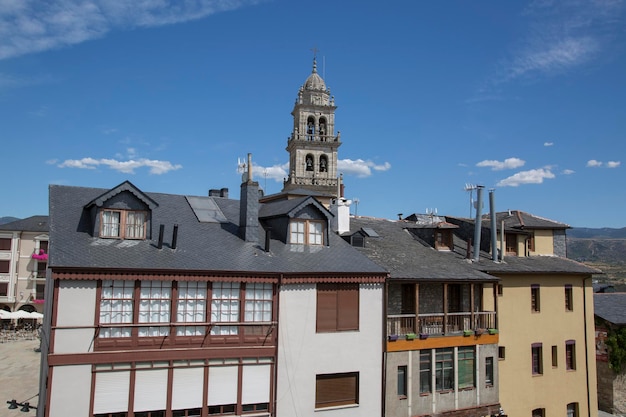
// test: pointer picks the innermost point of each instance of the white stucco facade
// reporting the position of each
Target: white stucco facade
(303, 353)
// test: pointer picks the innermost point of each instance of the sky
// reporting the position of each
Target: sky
(526, 99)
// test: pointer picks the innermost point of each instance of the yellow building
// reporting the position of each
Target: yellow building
(545, 318)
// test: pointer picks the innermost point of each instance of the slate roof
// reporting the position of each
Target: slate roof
(533, 265)
(29, 224)
(405, 256)
(201, 246)
(611, 307)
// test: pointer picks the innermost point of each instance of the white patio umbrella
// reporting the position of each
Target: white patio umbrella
(36, 315)
(20, 314)
(5, 315)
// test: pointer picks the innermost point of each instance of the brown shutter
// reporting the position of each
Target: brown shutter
(326, 308)
(336, 389)
(348, 307)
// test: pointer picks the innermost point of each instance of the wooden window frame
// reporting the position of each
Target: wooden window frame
(306, 233)
(123, 225)
(336, 390)
(443, 240)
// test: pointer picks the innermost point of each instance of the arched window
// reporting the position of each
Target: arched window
(323, 163)
(309, 162)
(323, 131)
(310, 127)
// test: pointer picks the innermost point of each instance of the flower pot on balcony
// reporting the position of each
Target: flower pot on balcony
(393, 337)
(411, 336)
(423, 336)
(468, 332)
(493, 331)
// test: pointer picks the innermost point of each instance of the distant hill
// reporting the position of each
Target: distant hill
(5, 220)
(602, 233)
(603, 248)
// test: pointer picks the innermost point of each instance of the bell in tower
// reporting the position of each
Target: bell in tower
(313, 143)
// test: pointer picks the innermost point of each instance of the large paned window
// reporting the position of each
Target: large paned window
(5, 243)
(154, 307)
(123, 224)
(333, 390)
(306, 232)
(191, 307)
(466, 367)
(42, 266)
(116, 307)
(225, 307)
(537, 358)
(444, 369)
(337, 307)
(425, 371)
(258, 307)
(535, 301)
(570, 355)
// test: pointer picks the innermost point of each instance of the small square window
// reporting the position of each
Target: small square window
(501, 352)
(333, 390)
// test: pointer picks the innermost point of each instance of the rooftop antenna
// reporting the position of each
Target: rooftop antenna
(356, 202)
(470, 188)
(241, 168)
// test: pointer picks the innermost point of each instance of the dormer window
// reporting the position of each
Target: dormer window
(123, 224)
(443, 239)
(306, 232)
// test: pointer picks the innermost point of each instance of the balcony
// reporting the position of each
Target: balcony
(439, 324)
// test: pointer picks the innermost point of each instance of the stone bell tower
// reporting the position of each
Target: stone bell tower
(313, 143)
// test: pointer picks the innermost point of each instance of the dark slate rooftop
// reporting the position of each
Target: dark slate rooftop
(611, 307)
(533, 265)
(406, 257)
(29, 224)
(201, 246)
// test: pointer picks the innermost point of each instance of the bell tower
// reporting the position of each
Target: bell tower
(313, 143)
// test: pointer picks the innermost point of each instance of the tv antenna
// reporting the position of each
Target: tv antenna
(356, 202)
(241, 168)
(470, 188)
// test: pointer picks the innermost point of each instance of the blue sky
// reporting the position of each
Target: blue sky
(527, 98)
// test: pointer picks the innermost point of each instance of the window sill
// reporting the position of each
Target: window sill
(337, 407)
(402, 397)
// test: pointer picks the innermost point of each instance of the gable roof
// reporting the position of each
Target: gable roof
(201, 246)
(406, 257)
(29, 224)
(291, 207)
(125, 186)
(611, 307)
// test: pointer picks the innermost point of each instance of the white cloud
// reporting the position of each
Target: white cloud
(360, 168)
(277, 173)
(548, 143)
(568, 172)
(509, 163)
(28, 26)
(533, 176)
(563, 35)
(592, 163)
(613, 164)
(128, 167)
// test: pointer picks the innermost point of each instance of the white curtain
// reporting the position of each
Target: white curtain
(154, 307)
(135, 224)
(191, 307)
(315, 233)
(116, 306)
(258, 304)
(225, 307)
(111, 223)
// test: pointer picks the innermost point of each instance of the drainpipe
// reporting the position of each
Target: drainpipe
(477, 224)
(586, 345)
(494, 236)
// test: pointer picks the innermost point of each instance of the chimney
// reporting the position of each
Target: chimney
(161, 230)
(477, 223)
(268, 237)
(340, 223)
(224, 192)
(249, 207)
(174, 236)
(494, 231)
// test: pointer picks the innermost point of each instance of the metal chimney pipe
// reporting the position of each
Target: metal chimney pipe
(494, 232)
(161, 229)
(477, 223)
(174, 236)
